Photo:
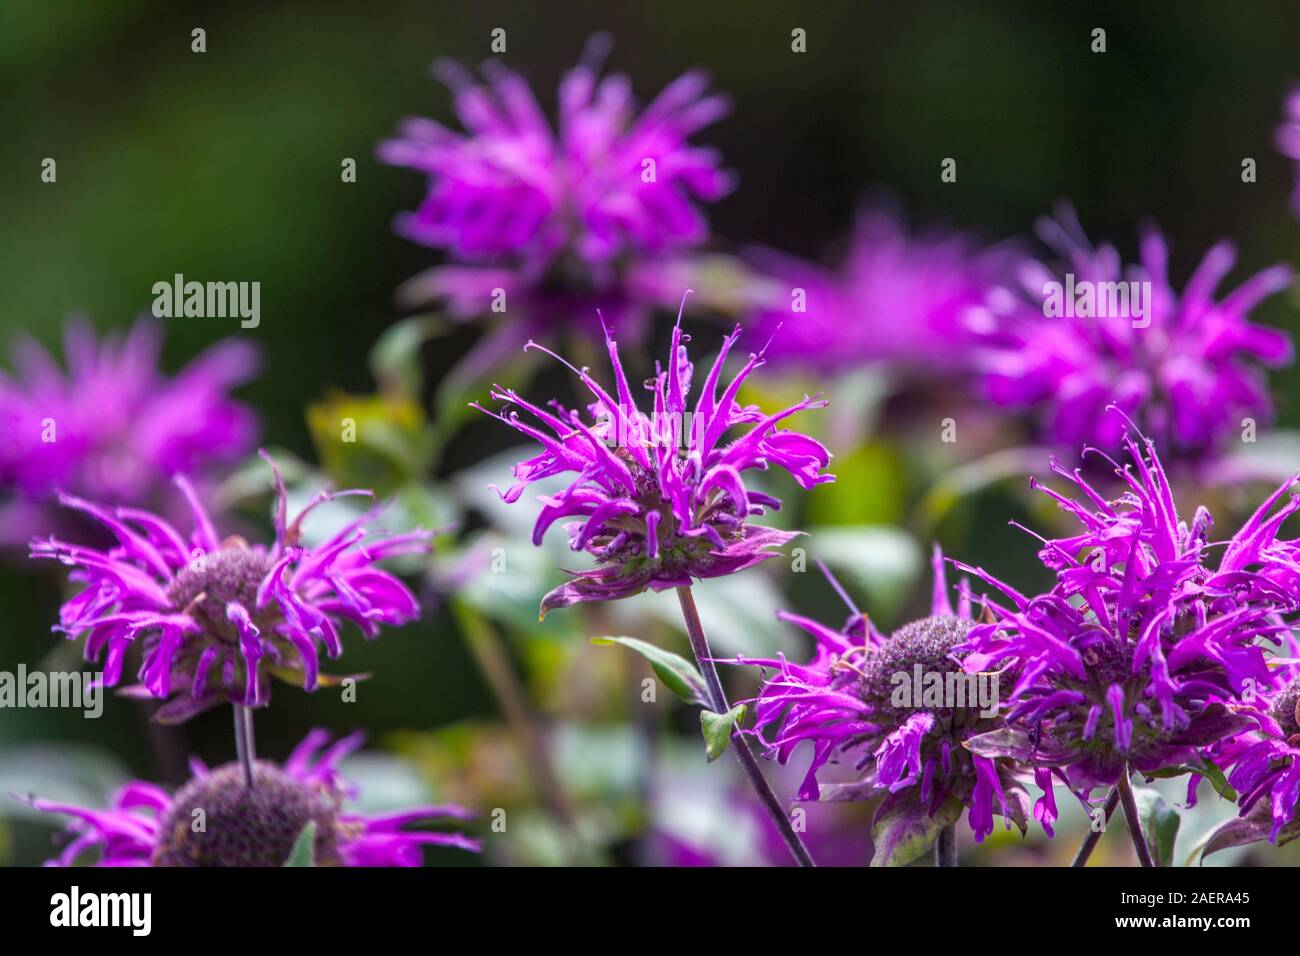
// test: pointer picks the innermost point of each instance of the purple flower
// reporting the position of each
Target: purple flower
(218, 617)
(1142, 653)
(559, 219)
(660, 498)
(113, 426)
(1288, 140)
(895, 298)
(846, 703)
(1270, 767)
(1185, 367)
(252, 827)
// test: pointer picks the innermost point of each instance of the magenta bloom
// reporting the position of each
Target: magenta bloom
(605, 183)
(1186, 367)
(1269, 767)
(1143, 653)
(895, 298)
(561, 219)
(218, 617)
(252, 827)
(113, 427)
(846, 703)
(1288, 140)
(660, 498)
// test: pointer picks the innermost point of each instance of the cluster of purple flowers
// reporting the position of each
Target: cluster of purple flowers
(212, 618)
(1159, 649)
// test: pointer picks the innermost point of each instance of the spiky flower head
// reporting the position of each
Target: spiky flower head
(239, 826)
(1146, 652)
(1269, 767)
(896, 298)
(113, 426)
(1187, 367)
(898, 710)
(659, 498)
(553, 221)
(218, 617)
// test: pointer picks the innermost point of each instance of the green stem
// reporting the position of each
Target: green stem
(1094, 834)
(1131, 814)
(718, 704)
(245, 745)
(945, 848)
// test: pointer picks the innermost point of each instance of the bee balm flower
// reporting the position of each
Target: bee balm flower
(908, 747)
(146, 826)
(660, 499)
(1143, 654)
(1187, 367)
(217, 617)
(113, 427)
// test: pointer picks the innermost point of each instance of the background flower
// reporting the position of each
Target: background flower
(1187, 370)
(252, 826)
(113, 426)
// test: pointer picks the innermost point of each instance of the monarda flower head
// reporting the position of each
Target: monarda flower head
(1186, 367)
(113, 427)
(1144, 654)
(898, 709)
(660, 498)
(217, 617)
(1267, 770)
(896, 298)
(548, 216)
(255, 826)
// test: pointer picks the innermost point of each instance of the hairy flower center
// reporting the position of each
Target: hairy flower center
(243, 827)
(925, 644)
(1286, 709)
(1107, 660)
(211, 581)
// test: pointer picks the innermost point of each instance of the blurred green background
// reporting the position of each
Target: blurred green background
(226, 165)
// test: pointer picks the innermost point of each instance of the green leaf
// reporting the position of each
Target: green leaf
(903, 832)
(676, 672)
(1159, 823)
(304, 848)
(395, 356)
(717, 730)
(1210, 771)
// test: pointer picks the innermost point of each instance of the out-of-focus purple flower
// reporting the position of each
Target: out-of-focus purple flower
(895, 298)
(1270, 766)
(1185, 366)
(559, 218)
(252, 827)
(845, 702)
(660, 497)
(1142, 654)
(112, 426)
(218, 617)
(1288, 140)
